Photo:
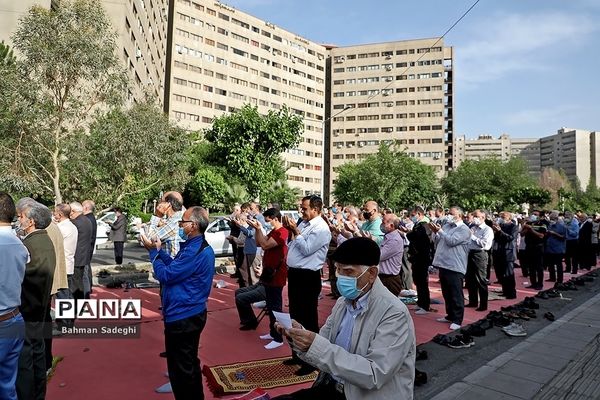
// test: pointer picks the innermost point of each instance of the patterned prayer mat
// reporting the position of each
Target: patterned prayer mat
(245, 376)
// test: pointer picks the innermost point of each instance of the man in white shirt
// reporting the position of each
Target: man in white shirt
(482, 238)
(306, 255)
(70, 234)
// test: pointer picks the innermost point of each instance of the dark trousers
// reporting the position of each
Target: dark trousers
(392, 282)
(535, 259)
(555, 268)
(475, 278)
(452, 290)
(523, 262)
(571, 261)
(244, 297)
(405, 271)
(420, 274)
(505, 273)
(48, 338)
(321, 391)
(274, 303)
(31, 377)
(118, 248)
(182, 339)
(304, 286)
(489, 265)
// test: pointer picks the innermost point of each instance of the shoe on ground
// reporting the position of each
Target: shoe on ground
(461, 342)
(291, 361)
(249, 327)
(421, 311)
(305, 370)
(515, 329)
(442, 319)
(549, 316)
(454, 326)
(163, 354)
(420, 377)
(421, 355)
(266, 337)
(273, 345)
(470, 305)
(481, 309)
(408, 293)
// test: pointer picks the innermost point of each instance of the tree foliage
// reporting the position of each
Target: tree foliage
(488, 183)
(67, 71)
(249, 145)
(557, 183)
(281, 193)
(390, 177)
(7, 57)
(207, 188)
(132, 153)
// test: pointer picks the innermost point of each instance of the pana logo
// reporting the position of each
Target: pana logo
(98, 309)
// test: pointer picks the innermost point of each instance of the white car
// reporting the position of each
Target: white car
(216, 236)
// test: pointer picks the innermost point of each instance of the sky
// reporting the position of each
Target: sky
(522, 67)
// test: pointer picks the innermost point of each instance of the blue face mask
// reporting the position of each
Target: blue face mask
(347, 286)
(334, 209)
(182, 234)
(414, 219)
(382, 227)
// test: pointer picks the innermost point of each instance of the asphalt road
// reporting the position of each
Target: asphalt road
(131, 254)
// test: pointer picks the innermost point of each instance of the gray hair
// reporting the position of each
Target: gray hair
(76, 207)
(39, 213)
(24, 202)
(199, 216)
(461, 213)
(90, 204)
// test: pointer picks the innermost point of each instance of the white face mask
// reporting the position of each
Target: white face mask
(476, 221)
(450, 219)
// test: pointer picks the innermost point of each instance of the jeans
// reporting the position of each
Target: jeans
(182, 339)
(244, 297)
(12, 332)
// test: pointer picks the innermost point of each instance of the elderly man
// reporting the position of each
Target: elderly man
(186, 282)
(482, 238)
(555, 247)
(419, 255)
(118, 234)
(70, 235)
(164, 223)
(392, 249)
(306, 255)
(88, 210)
(505, 235)
(34, 218)
(13, 257)
(372, 225)
(81, 288)
(366, 349)
(451, 259)
(571, 260)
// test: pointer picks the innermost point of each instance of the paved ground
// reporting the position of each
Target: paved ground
(557, 360)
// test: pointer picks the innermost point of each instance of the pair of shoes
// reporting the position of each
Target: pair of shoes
(421, 355)
(542, 295)
(249, 327)
(484, 324)
(305, 370)
(481, 309)
(549, 316)
(473, 330)
(514, 329)
(163, 354)
(461, 342)
(454, 326)
(471, 305)
(291, 361)
(442, 319)
(442, 339)
(530, 303)
(266, 337)
(553, 293)
(421, 311)
(273, 345)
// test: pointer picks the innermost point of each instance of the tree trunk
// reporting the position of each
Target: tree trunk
(56, 179)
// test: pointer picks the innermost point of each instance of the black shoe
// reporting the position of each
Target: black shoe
(305, 370)
(163, 354)
(471, 305)
(420, 377)
(542, 295)
(249, 327)
(481, 309)
(549, 316)
(421, 355)
(291, 361)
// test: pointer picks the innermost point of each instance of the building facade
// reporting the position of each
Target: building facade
(141, 27)
(504, 147)
(385, 93)
(222, 58)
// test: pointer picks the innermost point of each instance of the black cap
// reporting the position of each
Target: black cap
(357, 251)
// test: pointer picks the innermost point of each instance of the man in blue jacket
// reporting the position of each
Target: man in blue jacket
(186, 282)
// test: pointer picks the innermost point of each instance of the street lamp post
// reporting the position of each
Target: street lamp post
(323, 141)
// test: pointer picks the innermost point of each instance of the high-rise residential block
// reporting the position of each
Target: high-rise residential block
(390, 92)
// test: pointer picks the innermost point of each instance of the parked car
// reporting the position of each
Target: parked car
(216, 235)
(103, 228)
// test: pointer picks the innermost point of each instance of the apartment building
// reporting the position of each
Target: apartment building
(391, 92)
(141, 26)
(222, 58)
(574, 151)
(504, 147)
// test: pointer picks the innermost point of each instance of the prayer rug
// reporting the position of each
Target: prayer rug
(245, 376)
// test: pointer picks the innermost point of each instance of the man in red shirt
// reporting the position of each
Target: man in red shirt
(272, 278)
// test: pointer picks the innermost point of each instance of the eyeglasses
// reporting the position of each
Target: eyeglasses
(183, 221)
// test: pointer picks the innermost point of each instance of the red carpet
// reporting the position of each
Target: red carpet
(99, 369)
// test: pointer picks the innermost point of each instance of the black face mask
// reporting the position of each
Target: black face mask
(367, 215)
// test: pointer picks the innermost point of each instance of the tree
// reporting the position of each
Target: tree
(557, 183)
(390, 177)
(534, 196)
(281, 193)
(207, 188)
(68, 71)
(130, 154)
(7, 57)
(487, 183)
(249, 145)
